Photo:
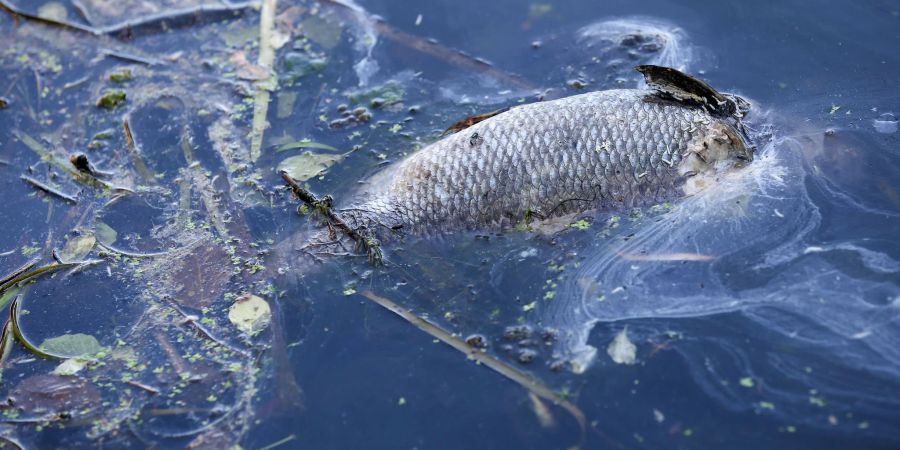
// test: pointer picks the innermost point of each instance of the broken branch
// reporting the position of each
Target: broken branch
(323, 206)
(533, 385)
(265, 86)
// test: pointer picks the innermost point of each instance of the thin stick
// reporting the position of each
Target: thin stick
(323, 206)
(280, 442)
(152, 390)
(433, 49)
(263, 87)
(16, 273)
(525, 380)
(133, 254)
(130, 57)
(47, 155)
(129, 28)
(191, 319)
(46, 188)
(173, 355)
(139, 165)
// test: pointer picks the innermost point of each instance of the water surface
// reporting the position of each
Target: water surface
(764, 312)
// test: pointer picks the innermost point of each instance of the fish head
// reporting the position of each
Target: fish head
(717, 148)
(737, 106)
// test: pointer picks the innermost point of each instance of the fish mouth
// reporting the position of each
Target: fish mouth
(746, 156)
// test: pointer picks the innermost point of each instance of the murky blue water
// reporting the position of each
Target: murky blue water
(764, 312)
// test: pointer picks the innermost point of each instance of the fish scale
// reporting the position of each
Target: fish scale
(607, 149)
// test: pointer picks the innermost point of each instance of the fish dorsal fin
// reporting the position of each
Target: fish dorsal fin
(676, 85)
(472, 120)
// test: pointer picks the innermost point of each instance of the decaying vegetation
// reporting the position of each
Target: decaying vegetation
(147, 163)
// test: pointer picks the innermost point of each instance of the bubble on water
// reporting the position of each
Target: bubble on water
(886, 123)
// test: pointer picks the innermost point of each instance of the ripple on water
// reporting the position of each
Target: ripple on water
(886, 123)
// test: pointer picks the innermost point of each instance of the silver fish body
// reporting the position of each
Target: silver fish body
(599, 150)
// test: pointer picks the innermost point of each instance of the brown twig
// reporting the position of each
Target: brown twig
(323, 206)
(152, 390)
(525, 380)
(46, 188)
(139, 165)
(173, 355)
(192, 320)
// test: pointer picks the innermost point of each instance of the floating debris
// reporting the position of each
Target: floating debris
(111, 99)
(77, 248)
(477, 341)
(305, 143)
(250, 314)
(621, 349)
(667, 257)
(48, 189)
(307, 165)
(72, 345)
(121, 76)
(885, 123)
(69, 367)
(541, 411)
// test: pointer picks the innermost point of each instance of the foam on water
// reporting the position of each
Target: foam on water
(834, 300)
(636, 31)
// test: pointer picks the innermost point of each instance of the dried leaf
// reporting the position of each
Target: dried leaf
(202, 276)
(42, 394)
(77, 248)
(307, 165)
(247, 70)
(53, 11)
(286, 102)
(621, 349)
(105, 234)
(321, 31)
(69, 367)
(250, 314)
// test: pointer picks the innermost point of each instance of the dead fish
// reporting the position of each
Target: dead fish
(601, 150)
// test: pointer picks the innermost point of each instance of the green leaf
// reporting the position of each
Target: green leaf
(305, 143)
(307, 165)
(72, 345)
